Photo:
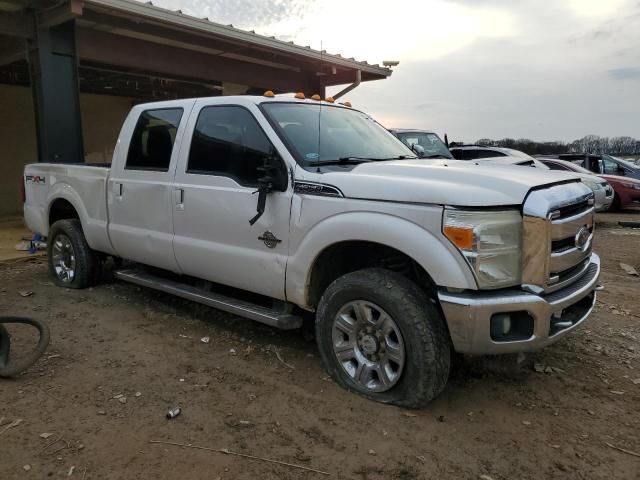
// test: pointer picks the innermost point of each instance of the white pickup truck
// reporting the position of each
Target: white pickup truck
(277, 208)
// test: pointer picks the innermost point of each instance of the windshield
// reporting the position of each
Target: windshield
(344, 134)
(624, 162)
(575, 167)
(517, 153)
(433, 146)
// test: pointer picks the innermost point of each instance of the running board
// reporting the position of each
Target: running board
(274, 318)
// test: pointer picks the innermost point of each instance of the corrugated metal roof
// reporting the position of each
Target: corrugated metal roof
(205, 26)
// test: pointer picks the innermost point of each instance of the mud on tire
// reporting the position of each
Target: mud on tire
(66, 238)
(427, 350)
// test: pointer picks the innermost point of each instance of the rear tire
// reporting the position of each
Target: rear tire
(72, 263)
(380, 336)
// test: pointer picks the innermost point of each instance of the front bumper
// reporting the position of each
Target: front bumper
(469, 314)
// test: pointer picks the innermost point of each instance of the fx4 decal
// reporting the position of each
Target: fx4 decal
(36, 179)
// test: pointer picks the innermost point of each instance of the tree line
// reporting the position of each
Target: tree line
(587, 144)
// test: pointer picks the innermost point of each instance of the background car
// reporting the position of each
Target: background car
(431, 144)
(602, 164)
(495, 154)
(626, 190)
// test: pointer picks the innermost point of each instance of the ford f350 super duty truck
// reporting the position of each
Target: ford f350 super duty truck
(276, 208)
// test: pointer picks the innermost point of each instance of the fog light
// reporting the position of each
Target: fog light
(500, 325)
(511, 326)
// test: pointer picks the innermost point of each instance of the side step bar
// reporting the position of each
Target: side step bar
(274, 318)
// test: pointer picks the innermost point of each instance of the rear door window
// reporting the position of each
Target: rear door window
(477, 153)
(487, 154)
(152, 140)
(555, 166)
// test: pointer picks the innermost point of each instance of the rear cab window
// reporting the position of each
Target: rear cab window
(152, 140)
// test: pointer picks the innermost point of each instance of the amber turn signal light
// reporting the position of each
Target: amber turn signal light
(462, 237)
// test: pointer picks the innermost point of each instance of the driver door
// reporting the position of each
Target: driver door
(214, 198)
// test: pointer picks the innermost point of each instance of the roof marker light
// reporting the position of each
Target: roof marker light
(316, 97)
(269, 94)
(329, 99)
(347, 104)
(299, 96)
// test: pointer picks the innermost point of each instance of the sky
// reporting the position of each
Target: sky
(538, 69)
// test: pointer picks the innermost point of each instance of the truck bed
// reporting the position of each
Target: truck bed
(84, 186)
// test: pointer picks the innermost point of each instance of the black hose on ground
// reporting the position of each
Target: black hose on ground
(7, 368)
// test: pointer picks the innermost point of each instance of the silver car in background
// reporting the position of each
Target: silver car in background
(601, 189)
(603, 192)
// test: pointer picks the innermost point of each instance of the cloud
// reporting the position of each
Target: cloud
(625, 73)
(493, 68)
(250, 14)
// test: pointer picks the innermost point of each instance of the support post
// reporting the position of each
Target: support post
(54, 79)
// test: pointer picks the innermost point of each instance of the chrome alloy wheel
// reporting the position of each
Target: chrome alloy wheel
(64, 258)
(368, 345)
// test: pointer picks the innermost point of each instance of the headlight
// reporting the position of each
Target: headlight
(491, 243)
(592, 185)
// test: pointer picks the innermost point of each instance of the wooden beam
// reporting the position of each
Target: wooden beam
(111, 49)
(61, 13)
(16, 25)
(11, 50)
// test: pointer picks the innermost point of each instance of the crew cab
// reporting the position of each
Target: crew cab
(282, 209)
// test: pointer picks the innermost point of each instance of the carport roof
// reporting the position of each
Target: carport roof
(130, 26)
(204, 25)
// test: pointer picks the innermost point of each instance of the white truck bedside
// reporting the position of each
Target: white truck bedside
(282, 209)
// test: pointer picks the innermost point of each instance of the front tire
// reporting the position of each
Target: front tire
(72, 263)
(380, 336)
(615, 205)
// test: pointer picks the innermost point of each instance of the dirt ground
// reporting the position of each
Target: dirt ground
(257, 391)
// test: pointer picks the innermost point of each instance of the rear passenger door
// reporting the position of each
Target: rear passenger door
(215, 196)
(139, 191)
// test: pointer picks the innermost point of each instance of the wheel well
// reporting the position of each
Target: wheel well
(347, 257)
(61, 209)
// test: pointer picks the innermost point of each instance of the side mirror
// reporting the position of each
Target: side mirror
(273, 179)
(418, 150)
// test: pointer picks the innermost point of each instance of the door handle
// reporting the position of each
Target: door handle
(179, 198)
(119, 189)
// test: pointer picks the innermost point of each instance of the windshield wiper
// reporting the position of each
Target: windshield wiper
(437, 155)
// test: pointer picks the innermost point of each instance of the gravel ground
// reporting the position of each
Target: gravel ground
(120, 355)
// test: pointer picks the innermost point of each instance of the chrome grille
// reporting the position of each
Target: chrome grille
(558, 236)
(565, 255)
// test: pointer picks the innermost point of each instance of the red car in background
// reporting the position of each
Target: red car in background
(627, 189)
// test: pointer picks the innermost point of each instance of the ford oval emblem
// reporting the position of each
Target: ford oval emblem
(582, 238)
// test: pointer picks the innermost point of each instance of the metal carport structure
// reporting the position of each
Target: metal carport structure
(64, 49)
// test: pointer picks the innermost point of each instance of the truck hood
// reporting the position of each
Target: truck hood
(444, 182)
